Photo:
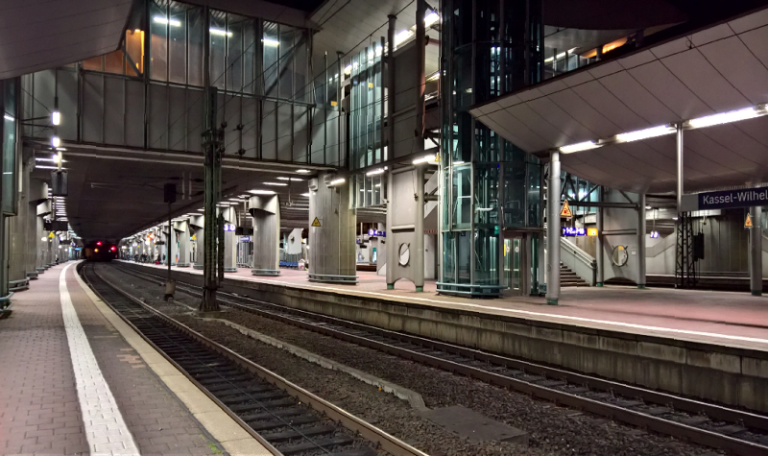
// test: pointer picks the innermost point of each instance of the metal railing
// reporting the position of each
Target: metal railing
(578, 261)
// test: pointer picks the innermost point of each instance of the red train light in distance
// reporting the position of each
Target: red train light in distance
(113, 248)
(98, 243)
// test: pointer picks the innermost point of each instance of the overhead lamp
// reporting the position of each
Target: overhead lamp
(261, 192)
(276, 184)
(56, 118)
(303, 171)
(47, 167)
(8, 118)
(338, 181)
(51, 160)
(220, 32)
(645, 134)
(348, 70)
(425, 159)
(55, 142)
(270, 42)
(435, 76)
(375, 172)
(296, 179)
(402, 36)
(305, 194)
(431, 18)
(578, 147)
(166, 21)
(725, 117)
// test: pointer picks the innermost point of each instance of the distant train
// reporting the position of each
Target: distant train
(100, 251)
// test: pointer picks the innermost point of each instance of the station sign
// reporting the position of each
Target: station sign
(229, 227)
(572, 231)
(377, 233)
(592, 232)
(245, 239)
(726, 199)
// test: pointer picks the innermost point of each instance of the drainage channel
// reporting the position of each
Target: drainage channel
(286, 419)
(737, 431)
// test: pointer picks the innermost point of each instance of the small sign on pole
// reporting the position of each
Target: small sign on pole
(566, 210)
(316, 222)
(748, 221)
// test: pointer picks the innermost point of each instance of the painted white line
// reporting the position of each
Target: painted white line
(105, 428)
(524, 313)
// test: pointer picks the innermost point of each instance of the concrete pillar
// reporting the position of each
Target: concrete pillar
(756, 252)
(230, 241)
(197, 224)
(641, 240)
(37, 191)
(265, 211)
(553, 229)
(41, 245)
(182, 232)
(332, 243)
(17, 278)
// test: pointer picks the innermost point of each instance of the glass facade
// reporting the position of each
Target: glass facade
(491, 189)
(153, 87)
(8, 139)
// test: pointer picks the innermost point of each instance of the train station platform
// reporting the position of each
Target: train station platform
(720, 318)
(77, 379)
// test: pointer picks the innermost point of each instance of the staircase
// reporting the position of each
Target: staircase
(569, 278)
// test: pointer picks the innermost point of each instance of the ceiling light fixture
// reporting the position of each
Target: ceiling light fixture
(55, 142)
(56, 118)
(220, 32)
(430, 19)
(261, 192)
(578, 147)
(270, 42)
(8, 118)
(305, 194)
(726, 117)
(303, 171)
(276, 184)
(338, 181)
(375, 172)
(645, 133)
(165, 21)
(425, 159)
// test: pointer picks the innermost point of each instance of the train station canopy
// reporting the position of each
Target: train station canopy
(721, 69)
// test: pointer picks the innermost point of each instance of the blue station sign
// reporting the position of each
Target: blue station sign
(726, 199)
(571, 231)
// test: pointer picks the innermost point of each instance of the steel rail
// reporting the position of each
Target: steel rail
(385, 441)
(309, 321)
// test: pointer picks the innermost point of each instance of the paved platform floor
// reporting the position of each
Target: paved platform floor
(721, 318)
(71, 382)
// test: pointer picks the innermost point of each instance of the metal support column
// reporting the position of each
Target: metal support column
(680, 175)
(418, 235)
(756, 252)
(599, 252)
(212, 152)
(553, 228)
(641, 241)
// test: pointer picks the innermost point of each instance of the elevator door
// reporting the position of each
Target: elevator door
(512, 260)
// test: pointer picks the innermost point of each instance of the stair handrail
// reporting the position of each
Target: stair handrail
(583, 257)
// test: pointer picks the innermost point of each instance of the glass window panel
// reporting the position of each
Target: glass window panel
(271, 44)
(286, 65)
(218, 49)
(463, 256)
(461, 208)
(486, 256)
(134, 47)
(177, 43)
(249, 57)
(196, 36)
(10, 173)
(449, 257)
(235, 53)
(113, 62)
(94, 63)
(158, 29)
(301, 67)
(534, 194)
(487, 197)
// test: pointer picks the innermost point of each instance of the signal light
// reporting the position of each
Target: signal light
(96, 250)
(98, 242)
(114, 249)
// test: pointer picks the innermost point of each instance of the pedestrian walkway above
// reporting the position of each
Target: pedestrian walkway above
(77, 379)
(720, 318)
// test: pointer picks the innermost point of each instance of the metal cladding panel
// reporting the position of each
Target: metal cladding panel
(406, 69)
(250, 131)
(134, 113)
(68, 90)
(158, 116)
(195, 119)
(731, 58)
(114, 112)
(93, 108)
(301, 124)
(284, 128)
(177, 135)
(269, 138)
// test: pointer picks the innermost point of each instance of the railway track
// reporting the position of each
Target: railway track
(285, 418)
(737, 431)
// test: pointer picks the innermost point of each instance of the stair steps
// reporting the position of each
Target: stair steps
(569, 278)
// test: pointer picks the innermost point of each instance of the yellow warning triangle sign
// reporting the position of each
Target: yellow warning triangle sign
(316, 222)
(748, 221)
(566, 210)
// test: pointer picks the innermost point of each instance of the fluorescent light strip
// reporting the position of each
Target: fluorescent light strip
(261, 192)
(726, 117)
(270, 42)
(276, 184)
(165, 21)
(578, 147)
(645, 134)
(220, 32)
(8, 118)
(425, 159)
(375, 172)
